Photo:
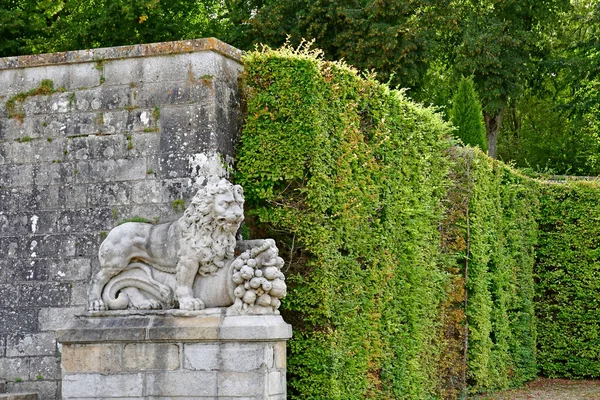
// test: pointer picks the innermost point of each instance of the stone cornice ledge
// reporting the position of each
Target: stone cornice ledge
(121, 52)
(163, 327)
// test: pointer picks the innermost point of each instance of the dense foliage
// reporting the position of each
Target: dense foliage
(499, 233)
(353, 180)
(32, 26)
(410, 264)
(498, 43)
(535, 63)
(466, 115)
(555, 126)
(21, 22)
(345, 168)
(397, 39)
(544, 138)
(568, 287)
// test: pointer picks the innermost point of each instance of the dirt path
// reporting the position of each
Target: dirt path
(549, 389)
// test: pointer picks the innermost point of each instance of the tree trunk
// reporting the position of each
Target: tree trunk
(493, 123)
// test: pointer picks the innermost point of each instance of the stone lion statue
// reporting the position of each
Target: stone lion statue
(188, 263)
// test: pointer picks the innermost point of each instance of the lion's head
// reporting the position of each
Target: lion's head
(211, 222)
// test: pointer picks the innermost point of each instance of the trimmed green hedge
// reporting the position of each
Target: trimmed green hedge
(568, 280)
(402, 250)
(499, 229)
(345, 168)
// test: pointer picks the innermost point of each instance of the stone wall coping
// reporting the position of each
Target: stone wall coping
(121, 52)
(163, 327)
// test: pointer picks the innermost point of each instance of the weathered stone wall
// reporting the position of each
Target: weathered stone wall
(88, 139)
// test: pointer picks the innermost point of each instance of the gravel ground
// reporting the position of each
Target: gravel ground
(549, 389)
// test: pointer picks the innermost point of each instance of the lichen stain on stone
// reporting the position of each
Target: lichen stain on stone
(34, 220)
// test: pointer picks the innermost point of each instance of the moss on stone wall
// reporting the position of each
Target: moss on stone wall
(46, 87)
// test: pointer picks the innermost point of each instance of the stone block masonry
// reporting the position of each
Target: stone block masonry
(158, 354)
(87, 140)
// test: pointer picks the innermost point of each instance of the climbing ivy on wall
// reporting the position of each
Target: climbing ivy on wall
(568, 280)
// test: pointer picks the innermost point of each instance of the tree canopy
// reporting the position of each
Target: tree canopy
(32, 26)
(534, 63)
(554, 125)
(395, 39)
(499, 43)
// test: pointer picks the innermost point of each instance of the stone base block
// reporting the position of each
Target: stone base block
(162, 355)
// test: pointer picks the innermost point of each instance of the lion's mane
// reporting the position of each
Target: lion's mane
(200, 229)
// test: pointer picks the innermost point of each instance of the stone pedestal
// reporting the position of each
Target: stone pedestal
(174, 354)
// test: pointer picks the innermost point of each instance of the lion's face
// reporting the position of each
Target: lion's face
(228, 210)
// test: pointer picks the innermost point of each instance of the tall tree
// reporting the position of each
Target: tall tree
(32, 26)
(555, 126)
(24, 23)
(466, 115)
(96, 23)
(499, 47)
(394, 38)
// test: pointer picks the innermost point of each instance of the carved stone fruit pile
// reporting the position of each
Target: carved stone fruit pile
(257, 274)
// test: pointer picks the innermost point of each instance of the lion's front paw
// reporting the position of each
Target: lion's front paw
(96, 305)
(191, 303)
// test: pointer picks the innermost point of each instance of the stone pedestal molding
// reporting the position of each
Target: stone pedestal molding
(174, 354)
(19, 396)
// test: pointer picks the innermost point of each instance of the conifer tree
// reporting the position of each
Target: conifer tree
(467, 116)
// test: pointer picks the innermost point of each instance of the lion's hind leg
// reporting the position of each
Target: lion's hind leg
(139, 301)
(136, 288)
(162, 292)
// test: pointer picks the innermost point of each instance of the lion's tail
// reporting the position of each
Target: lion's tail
(138, 276)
